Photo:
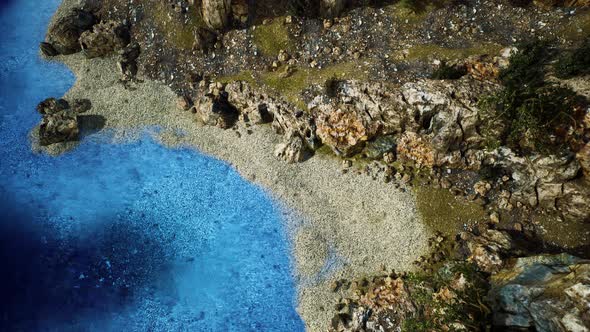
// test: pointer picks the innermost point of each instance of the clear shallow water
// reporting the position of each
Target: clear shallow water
(133, 236)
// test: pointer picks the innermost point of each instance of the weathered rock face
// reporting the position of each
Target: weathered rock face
(60, 120)
(294, 150)
(440, 117)
(547, 293)
(214, 109)
(104, 39)
(257, 106)
(550, 182)
(62, 37)
(488, 250)
(331, 8)
(216, 13)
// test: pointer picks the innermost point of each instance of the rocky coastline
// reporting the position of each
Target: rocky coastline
(360, 118)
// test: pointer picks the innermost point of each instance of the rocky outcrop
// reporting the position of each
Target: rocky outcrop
(104, 39)
(440, 117)
(216, 13)
(331, 8)
(294, 150)
(544, 293)
(488, 250)
(60, 120)
(62, 37)
(550, 182)
(214, 108)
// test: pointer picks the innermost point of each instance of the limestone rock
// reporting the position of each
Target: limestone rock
(216, 13)
(345, 130)
(104, 39)
(545, 293)
(293, 151)
(62, 37)
(488, 249)
(214, 109)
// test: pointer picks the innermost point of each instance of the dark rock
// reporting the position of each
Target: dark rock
(52, 105)
(214, 109)
(104, 39)
(61, 126)
(127, 61)
(48, 49)
(63, 36)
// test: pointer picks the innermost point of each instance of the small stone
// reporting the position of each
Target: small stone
(517, 227)
(495, 217)
(328, 23)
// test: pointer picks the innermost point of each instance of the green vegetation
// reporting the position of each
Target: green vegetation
(576, 27)
(291, 87)
(181, 35)
(273, 37)
(441, 302)
(427, 52)
(532, 110)
(442, 211)
(574, 63)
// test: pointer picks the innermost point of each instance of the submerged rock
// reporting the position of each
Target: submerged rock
(545, 293)
(62, 37)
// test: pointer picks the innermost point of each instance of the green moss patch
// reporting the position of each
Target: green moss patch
(291, 87)
(577, 27)
(273, 37)
(180, 34)
(442, 211)
(427, 52)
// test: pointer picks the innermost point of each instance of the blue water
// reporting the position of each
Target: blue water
(125, 237)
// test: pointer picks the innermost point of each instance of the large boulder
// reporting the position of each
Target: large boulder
(60, 120)
(104, 39)
(293, 150)
(216, 13)
(62, 37)
(214, 109)
(550, 182)
(544, 293)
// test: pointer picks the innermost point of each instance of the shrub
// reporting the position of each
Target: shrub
(534, 114)
(574, 63)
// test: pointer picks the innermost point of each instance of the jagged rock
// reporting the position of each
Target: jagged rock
(52, 105)
(344, 129)
(293, 151)
(60, 120)
(127, 61)
(488, 249)
(257, 106)
(216, 13)
(412, 147)
(214, 109)
(545, 293)
(442, 115)
(48, 49)
(64, 34)
(573, 203)
(539, 179)
(331, 8)
(488, 67)
(104, 39)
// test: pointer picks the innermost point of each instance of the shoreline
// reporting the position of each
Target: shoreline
(357, 224)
